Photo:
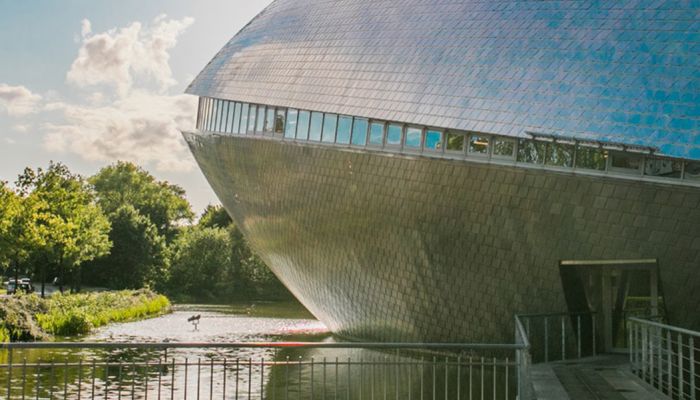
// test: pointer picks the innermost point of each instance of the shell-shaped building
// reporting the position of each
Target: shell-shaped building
(419, 169)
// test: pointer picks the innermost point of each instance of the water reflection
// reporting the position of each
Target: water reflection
(230, 373)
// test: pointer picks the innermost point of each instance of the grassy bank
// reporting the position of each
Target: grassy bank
(33, 318)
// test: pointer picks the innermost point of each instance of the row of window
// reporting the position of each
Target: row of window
(254, 119)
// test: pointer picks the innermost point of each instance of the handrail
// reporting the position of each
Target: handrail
(520, 330)
(664, 326)
(315, 345)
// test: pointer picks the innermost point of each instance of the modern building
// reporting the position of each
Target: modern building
(425, 169)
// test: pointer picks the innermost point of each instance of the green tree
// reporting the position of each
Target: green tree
(127, 184)
(215, 217)
(71, 226)
(201, 259)
(139, 256)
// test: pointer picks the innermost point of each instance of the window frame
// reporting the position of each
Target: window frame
(421, 133)
(502, 157)
(472, 153)
(287, 124)
(369, 133)
(337, 129)
(245, 111)
(402, 129)
(441, 141)
(352, 136)
(622, 170)
(308, 125)
(327, 117)
(311, 125)
(461, 152)
(258, 123)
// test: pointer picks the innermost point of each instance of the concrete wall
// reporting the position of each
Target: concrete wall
(397, 248)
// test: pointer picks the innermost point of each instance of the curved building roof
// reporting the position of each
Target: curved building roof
(611, 70)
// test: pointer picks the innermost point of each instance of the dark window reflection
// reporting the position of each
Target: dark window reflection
(359, 132)
(624, 162)
(478, 144)
(503, 147)
(531, 151)
(591, 158)
(454, 142)
(663, 167)
(279, 121)
(692, 170)
(560, 155)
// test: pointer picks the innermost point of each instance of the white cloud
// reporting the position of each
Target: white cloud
(143, 127)
(131, 116)
(121, 57)
(22, 128)
(18, 100)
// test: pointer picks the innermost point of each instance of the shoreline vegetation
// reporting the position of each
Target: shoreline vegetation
(31, 318)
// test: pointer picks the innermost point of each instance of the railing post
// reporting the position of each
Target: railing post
(669, 361)
(680, 363)
(563, 338)
(546, 339)
(693, 388)
(9, 372)
(593, 332)
(644, 344)
(578, 335)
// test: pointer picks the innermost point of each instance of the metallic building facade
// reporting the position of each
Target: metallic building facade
(395, 242)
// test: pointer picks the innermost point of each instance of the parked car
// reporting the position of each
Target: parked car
(23, 284)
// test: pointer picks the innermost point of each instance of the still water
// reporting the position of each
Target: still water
(249, 373)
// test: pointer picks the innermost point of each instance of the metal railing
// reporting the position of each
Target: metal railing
(276, 370)
(559, 336)
(666, 357)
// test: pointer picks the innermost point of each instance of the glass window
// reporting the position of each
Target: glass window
(303, 125)
(692, 171)
(626, 162)
(260, 120)
(413, 137)
(244, 117)
(663, 167)
(330, 123)
(454, 142)
(560, 155)
(210, 115)
(591, 158)
(279, 121)
(219, 115)
(359, 131)
(237, 118)
(433, 140)
(393, 135)
(251, 118)
(205, 115)
(531, 151)
(478, 144)
(316, 126)
(344, 130)
(199, 112)
(270, 120)
(229, 117)
(376, 134)
(291, 127)
(503, 147)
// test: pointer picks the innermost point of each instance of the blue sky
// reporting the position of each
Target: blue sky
(90, 82)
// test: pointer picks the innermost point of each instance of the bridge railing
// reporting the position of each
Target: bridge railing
(559, 336)
(666, 357)
(270, 370)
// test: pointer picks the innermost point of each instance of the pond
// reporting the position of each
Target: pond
(246, 373)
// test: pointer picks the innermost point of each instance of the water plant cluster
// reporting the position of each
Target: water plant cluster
(29, 317)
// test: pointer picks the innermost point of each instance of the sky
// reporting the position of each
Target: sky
(91, 82)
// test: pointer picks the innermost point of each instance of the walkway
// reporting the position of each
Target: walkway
(604, 377)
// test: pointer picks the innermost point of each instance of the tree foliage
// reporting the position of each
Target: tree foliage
(65, 224)
(139, 257)
(125, 183)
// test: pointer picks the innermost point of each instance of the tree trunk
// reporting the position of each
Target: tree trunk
(16, 276)
(43, 279)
